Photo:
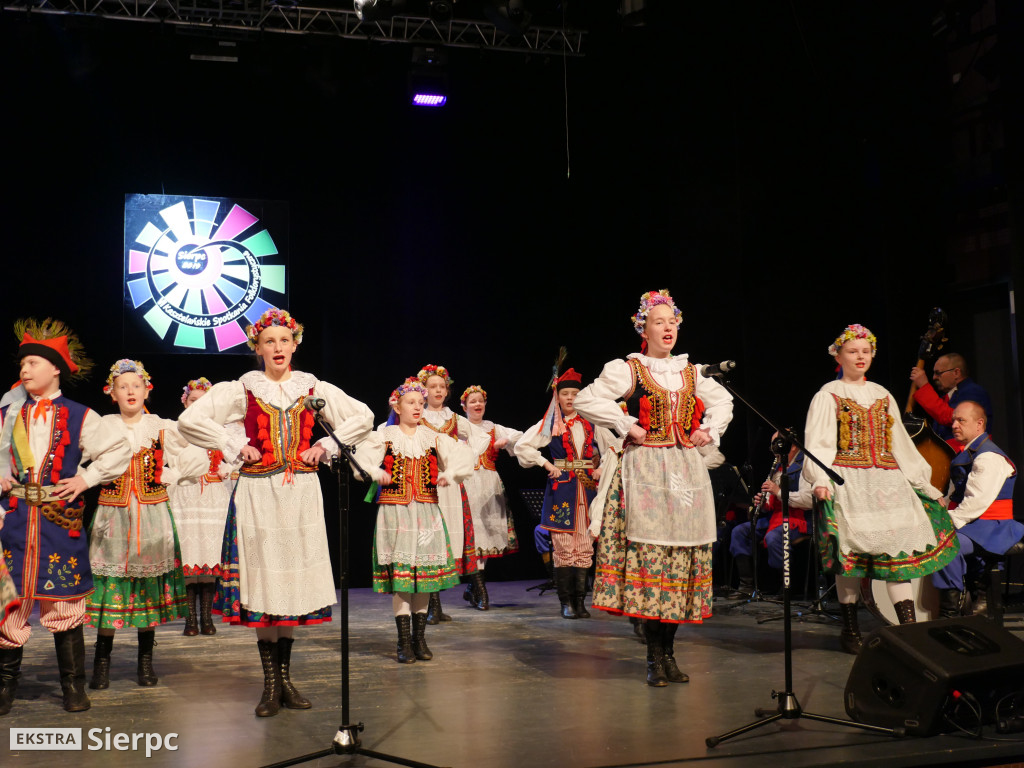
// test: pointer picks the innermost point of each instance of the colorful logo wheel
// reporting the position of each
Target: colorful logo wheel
(198, 277)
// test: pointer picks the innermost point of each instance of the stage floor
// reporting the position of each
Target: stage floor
(514, 686)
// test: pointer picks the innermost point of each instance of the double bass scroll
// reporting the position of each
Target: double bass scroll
(935, 450)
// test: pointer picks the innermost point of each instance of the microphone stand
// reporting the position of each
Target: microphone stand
(789, 708)
(346, 741)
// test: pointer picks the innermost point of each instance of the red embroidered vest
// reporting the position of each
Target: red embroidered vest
(412, 479)
(279, 435)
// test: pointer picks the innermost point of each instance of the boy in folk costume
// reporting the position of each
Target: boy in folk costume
(575, 447)
(46, 441)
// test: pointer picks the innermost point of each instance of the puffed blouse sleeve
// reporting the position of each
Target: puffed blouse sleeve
(820, 438)
(184, 460)
(370, 454)
(478, 440)
(507, 433)
(717, 406)
(606, 441)
(528, 447)
(455, 459)
(351, 420)
(204, 422)
(597, 401)
(106, 448)
(913, 465)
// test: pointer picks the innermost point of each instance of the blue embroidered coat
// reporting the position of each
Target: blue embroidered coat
(44, 546)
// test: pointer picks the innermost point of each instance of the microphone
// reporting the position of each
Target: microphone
(315, 404)
(707, 371)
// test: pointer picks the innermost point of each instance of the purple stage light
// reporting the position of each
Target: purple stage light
(429, 99)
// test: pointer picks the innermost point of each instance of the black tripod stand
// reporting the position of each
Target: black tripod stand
(789, 708)
(346, 741)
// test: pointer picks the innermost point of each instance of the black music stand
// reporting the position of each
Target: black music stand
(789, 708)
(346, 741)
(534, 500)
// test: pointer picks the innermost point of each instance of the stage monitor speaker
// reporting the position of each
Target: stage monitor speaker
(913, 676)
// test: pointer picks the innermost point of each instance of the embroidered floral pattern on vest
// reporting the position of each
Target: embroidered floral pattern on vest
(667, 416)
(280, 436)
(489, 458)
(412, 479)
(865, 434)
(141, 478)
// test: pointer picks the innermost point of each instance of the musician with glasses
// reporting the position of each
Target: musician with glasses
(951, 385)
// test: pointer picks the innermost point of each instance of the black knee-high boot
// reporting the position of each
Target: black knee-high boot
(191, 620)
(147, 676)
(290, 697)
(656, 676)
(434, 613)
(565, 584)
(101, 662)
(404, 647)
(419, 639)
(668, 634)
(207, 590)
(270, 699)
(70, 647)
(580, 593)
(10, 672)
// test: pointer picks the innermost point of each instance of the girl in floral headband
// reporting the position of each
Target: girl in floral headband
(142, 584)
(884, 522)
(412, 556)
(276, 515)
(493, 528)
(458, 515)
(200, 511)
(650, 525)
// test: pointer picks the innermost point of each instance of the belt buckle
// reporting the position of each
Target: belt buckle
(34, 494)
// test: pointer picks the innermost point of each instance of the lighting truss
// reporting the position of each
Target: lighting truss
(258, 16)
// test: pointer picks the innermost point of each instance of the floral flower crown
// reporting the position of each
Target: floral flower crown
(202, 383)
(269, 319)
(124, 365)
(649, 301)
(434, 370)
(855, 331)
(412, 384)
(475, 389)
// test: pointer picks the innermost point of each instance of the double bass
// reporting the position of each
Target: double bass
(936, 451)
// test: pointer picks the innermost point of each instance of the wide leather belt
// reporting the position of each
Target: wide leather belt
(35, 494)
(574, 463)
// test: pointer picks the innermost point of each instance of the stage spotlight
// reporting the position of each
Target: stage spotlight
(376, 10)
(428, 78)
(510, 16)
(440, 11)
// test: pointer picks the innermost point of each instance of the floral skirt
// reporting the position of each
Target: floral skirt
(649, 581)
(898, 566)
(137, 601)
(9, 600)
(411, 550)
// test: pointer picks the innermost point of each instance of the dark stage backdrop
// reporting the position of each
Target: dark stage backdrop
(781, 179)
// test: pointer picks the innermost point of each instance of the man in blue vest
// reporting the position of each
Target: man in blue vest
(980, 504)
